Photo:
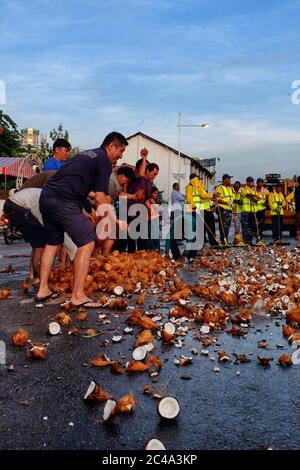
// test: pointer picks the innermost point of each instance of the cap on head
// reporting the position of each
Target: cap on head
(250, 179)
(259, 180)
(225, 176)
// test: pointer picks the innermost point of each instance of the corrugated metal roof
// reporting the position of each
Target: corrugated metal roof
(10, 166)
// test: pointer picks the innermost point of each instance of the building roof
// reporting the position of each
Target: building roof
(183, 155)
(10, 166)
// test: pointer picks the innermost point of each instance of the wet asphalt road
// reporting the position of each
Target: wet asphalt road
(254, 410)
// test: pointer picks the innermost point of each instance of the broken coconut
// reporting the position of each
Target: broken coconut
(95, 392)
(118, 290)
(110, 410)
(168, 408)
(139, 353)
(53, 328)
(154, 444)
(20, 337)
(169, 328)
(37, 351)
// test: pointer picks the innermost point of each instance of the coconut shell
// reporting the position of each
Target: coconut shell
(20, 338)
(144, 337)
(102, 361)
(137, 366)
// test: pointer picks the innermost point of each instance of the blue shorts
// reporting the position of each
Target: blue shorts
(65, 216)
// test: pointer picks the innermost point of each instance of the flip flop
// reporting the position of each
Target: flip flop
(85, 305)
(53, 295)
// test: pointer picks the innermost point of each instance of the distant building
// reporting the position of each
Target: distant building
(30, 136)
(173, 168)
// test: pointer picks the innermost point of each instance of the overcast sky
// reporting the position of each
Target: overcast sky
(133, 65)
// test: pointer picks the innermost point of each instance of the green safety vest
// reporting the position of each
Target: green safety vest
(247, 205)
(237, 202)
(262, 202)
(228, 196)
(200, 204)
(277, 200)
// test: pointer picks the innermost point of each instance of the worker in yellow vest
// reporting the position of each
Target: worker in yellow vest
(249, 197)
(277, 204)
(261, 205)
(237, 208)
(290, 200)
(198, 199)
(224, 207)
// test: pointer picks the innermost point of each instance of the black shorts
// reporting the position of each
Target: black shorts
(65, 216)
(31, 228)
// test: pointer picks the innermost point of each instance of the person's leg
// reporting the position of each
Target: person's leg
(80, 268)
(280, 228)
(209, 219)
(47, 260)
(274, 227)
(31, 273)
(221, 224)
(107, 246)
(245, 227)
(62, 256)
(36, 261)
(227, 223)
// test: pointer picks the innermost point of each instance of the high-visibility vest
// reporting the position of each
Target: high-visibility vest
(237, 202)
(197, 199)
(290, 199)
(277, 203)
(227, 196)
(262, 201)
(248, 205)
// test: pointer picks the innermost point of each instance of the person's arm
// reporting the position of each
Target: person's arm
(189, 196)
(144, 155)
(290, 197)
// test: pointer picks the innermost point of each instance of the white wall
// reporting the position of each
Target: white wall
(168, 161)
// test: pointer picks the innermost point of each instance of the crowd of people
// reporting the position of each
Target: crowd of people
(243, 206)
(88, 204)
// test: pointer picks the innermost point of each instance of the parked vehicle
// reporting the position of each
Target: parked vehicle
(10, 231)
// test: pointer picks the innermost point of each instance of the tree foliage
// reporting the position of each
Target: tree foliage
(10, 138)
(59, 133)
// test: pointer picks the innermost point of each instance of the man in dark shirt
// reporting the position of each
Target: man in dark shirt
(61, 205)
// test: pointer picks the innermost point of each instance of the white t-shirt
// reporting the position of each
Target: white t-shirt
(30, 199)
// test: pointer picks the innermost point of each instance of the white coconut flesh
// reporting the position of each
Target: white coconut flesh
(168, 408)
(117, 339)
(170, 328)
(54, 328)
(118, 290)
(204, 329)
(149, 347)
(90, 390)
(139, 353)
(109, 408)
(155, 444)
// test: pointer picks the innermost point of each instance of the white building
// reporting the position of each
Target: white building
(172, 167)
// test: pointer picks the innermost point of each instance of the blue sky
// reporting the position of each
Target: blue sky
(133, 65)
